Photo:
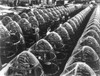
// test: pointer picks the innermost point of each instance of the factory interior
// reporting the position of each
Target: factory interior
(49, 37)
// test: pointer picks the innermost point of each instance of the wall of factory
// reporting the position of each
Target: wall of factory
(36, 1)
(48, 2)
(98, 1)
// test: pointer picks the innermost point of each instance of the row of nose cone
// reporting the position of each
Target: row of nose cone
(85, 58)
(43, 52)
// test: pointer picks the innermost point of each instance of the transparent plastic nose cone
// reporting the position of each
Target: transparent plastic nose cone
(34, 22)
(25, 64)
(11, 40)
(42, 44)
(92, 42)
(25, 15)
(39, 17)
(44, 15)
(69, 28)
(6, 20)
(14, 27)
(24, 24)
(88, 55)
(78, 69)
(43, 49)
(72, 23)
(92, 27)
(54, 39)
(92, 33)
(4, 33)
(63, 33)
(4, 40)
(16, 17)
(76, 21)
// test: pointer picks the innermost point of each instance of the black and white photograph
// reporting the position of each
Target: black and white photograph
(49, 37)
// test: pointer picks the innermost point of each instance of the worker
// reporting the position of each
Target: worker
(15, 4)
(37, 33)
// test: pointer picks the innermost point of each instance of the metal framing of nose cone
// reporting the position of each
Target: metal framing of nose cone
(53, 69)
(30, 14)
(60, 57)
